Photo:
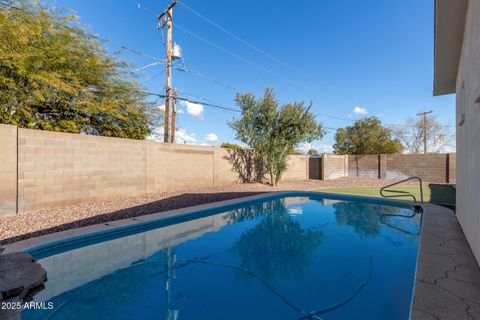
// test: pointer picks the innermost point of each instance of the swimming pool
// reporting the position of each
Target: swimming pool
(282, 256)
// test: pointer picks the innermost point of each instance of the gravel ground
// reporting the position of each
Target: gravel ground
(36, 223)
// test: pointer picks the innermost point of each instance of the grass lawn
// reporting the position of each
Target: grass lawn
(431, 193)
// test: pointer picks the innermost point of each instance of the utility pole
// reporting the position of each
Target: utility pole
(174, 115)
(165, 19)
(424, 114)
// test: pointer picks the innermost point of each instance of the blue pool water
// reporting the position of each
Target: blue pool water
(295, 257)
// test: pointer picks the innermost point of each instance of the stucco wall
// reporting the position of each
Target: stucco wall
(468, 134)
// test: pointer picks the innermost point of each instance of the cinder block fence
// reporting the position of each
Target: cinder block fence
(435, 167)
(43, 169)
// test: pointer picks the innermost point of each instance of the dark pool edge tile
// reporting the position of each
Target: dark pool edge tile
(453, 292)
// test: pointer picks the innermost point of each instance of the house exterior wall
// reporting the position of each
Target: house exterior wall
(468, 134)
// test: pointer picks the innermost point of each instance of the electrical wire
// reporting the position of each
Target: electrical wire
(205, 99)
(158, 60)
(207, 78)
(234, 55)
(153, 77)
(245, 42)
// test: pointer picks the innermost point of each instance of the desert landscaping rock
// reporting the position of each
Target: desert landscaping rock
(20, 275)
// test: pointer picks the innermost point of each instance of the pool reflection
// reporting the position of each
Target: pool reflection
(296, 255)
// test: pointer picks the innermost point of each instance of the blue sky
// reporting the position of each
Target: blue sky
(373, 56)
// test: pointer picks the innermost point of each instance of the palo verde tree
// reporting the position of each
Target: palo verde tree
(56, 76)
(273, 131)
(366, 136)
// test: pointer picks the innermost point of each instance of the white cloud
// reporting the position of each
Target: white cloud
(359, 110)
(161, 107)
(181, 136)
(194, 109)
(156, 134)
(321, 148)
(180, 111)
(211, 137)
(325, 148)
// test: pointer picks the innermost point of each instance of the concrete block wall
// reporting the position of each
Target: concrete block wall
(297, 168)
(57, 169)
(430, 167)
(437, 168)
(42, 169)
(223, 173)
(8, 170)
(363, 166)
(172, 167)
(334, 166)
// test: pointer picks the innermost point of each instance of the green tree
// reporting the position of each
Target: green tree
(277, 245)
(56, 76)
(232, 146)
(274, 131)
(312, 152)
(366, 136)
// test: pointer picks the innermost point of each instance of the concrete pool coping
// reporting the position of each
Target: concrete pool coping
(447, 282)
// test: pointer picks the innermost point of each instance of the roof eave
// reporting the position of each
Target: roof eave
(450, 17)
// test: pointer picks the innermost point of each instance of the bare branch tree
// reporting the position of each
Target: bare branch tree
(439, 138)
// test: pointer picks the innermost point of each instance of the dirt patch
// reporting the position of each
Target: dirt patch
(37, 223)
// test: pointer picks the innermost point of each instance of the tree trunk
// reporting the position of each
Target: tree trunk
(272, 176)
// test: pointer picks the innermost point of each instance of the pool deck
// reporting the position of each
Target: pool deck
(447, 284)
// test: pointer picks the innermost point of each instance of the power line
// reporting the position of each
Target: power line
(222, 49)
(208, 101)
(153, 77)
(245, 42)
(236, 56)
(383, 124)
(207, 104)
(207, 78)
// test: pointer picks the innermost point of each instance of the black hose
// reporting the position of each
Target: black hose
(316, 313)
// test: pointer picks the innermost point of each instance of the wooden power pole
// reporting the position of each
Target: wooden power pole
(424, 114)
(174, 115)
(165, 19)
